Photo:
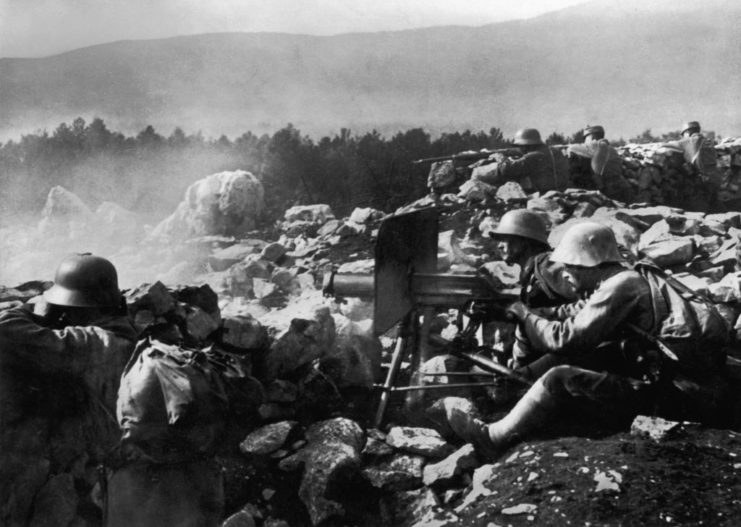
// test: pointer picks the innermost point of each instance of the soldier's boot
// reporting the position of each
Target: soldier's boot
(531, 412)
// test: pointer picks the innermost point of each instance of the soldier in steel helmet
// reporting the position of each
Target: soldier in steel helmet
(605, 164)
(587, 369)
(541, 168)
(700, 155)
(522, 238)
(60, 365)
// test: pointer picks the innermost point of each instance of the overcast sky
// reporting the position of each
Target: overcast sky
(34, 28)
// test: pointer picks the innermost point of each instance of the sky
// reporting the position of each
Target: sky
(37, 28)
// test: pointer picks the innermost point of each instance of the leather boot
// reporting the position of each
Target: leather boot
(533, 411)
(490, 440)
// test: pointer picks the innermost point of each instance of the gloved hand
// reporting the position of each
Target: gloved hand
(487, 311)
(517, 311)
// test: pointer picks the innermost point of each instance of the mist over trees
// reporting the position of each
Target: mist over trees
(149, 172)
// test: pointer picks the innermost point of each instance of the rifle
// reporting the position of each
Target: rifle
(470, 156)
(408, 291)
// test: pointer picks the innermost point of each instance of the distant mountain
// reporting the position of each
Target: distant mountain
(628, 65)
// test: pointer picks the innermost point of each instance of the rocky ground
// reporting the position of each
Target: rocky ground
(301, 450)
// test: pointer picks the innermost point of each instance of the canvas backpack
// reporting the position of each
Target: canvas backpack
(688, 329)
(172, 401)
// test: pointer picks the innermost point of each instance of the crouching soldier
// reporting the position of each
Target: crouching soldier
(603, 356)
(60, 366)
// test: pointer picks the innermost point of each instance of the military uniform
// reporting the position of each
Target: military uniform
(57, 404)
(606, 167)
(541, 170)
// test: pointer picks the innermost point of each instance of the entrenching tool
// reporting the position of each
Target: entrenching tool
(408, 292)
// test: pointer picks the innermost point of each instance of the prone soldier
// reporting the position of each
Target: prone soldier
(541, 168)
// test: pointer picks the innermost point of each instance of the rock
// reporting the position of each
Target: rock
(583, 210)
(511, 192)
(63, 204)
(280, 391)
(226, 203)
(113, 222)
(696, 283)
(244, 332)
(223, 259)
(365, 215)
(239, 519)
(442, 174)
(331, 458)
(358, 266)
(444, 472)
(609, 480)
(553, 209)
(267, 439)
(155, 298)
(403, 508)
(481, 476)
(400, 472)
(198, 323)
(285, 280)
(474, 190)
(200, 296)
(667, 253)
(376, 448)
(273, 252)
(522, 508)
(726, 219)
(329, 228)
(295, 349)
(656, 428)
(354, 362)
(319, 213)
(659, 231)
(423, 441)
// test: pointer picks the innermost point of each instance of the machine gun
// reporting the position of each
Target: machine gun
(470, 156)
(408, 291)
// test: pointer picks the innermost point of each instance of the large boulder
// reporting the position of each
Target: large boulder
(226, 203)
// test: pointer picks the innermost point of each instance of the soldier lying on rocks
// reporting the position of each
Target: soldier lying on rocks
(594, 360)
(60, 367)
(541, 168)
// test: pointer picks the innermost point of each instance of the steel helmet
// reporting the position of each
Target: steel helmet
(528, 136)
(596, 131)
(691, 126)
(587, 244)
(84, 280)
(524, 223)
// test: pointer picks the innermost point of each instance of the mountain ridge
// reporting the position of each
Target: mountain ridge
(556, 72)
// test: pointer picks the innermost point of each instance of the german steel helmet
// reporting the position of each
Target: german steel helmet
(84, 280)
(587, 244)
(528, 136)
(524, 223)
(691, 126)
(595, 131)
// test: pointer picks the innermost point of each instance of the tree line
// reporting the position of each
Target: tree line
(149, 172)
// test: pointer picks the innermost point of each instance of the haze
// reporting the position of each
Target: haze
(46, 27)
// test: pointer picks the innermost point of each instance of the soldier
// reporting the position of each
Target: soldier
(60, 367)
(522, 239)
(699, 153)
(605, 164)
(541, 168)
(589, 365)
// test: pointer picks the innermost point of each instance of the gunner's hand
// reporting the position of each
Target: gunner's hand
(517, 311)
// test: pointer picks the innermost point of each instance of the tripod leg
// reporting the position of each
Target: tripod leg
(396, 358)
(420, 355)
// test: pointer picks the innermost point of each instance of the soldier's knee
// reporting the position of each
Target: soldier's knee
(556, 378)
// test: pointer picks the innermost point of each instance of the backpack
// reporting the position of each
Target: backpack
(687, 323)
(172, 402)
